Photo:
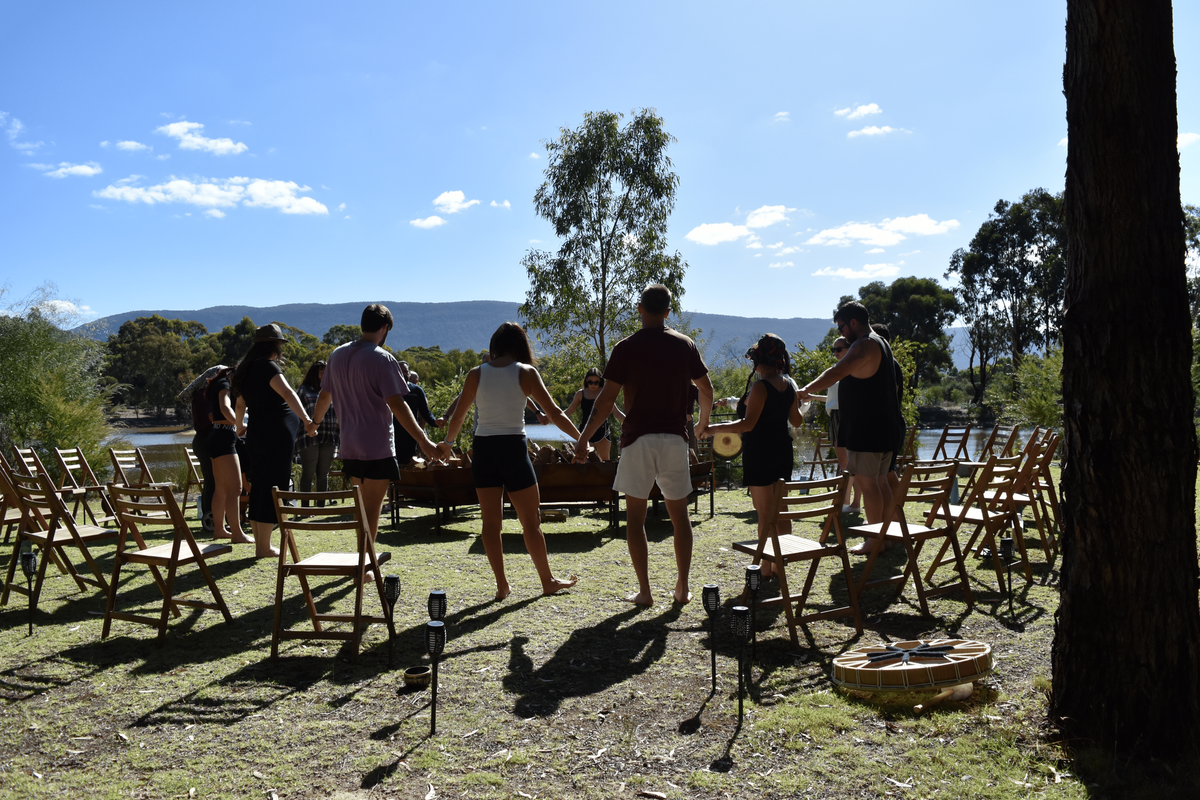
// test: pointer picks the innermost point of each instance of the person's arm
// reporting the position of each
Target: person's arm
(239, 416)
(794, 416)
(422, 405)
(571, 409)
(225, 406)
(857, 356)
(404, 416)
(450, 409)
(600, 411)
(618, 412)
(704, 384)
(531, 382)
(284, 390)
(457, 412)
(324, 400)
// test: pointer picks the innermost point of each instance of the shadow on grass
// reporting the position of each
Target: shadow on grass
(590, 661)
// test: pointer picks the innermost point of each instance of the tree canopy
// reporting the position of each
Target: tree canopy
(608, 192)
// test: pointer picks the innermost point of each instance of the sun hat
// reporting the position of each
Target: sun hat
(269, 333)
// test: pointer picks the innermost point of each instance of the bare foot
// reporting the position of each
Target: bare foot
(684, 599)
(640, 599)
(503, 591)
(270, 552)
(557, 585)
(224, 533)
(867, 547)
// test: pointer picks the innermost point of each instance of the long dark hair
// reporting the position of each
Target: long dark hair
(258, 351)
(510, 340)
(312, 378)
(594, 372)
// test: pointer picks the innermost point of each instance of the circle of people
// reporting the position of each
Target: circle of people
(251, 426)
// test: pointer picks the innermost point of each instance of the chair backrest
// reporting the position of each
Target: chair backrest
(124, 463)
(29, 461)
(136, 506)
(908, 451)
(320, 518)
(8, 493)
(953, 443)
(794, 500)
(926, 482)
(42, 508)
(193, 464)
(1046, 458)
(1000, 443)
(997, 477)
(75, 469)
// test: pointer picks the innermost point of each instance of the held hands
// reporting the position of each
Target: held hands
(241, 430)
(444, 451)
(542, 418)
(440, 422)
(581, 452)
(311, 428)
(704, 431)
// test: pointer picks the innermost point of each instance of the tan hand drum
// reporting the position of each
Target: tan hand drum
(901, 666)
(727, 446)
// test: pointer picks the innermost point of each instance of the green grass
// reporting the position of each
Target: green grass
(578, 695)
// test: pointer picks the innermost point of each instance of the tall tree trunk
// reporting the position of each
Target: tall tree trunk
(1127, 632)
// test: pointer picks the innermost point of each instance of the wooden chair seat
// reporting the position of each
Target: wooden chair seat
(336, 563)
(145, 506)
(61, 537)
(798, 500)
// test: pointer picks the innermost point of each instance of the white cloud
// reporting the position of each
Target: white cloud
(775, 246)
(131, 146)
(783, 116)
(12, 129)
(1185, 139)
(1063, 142)
(534, 155)
(883, 234)
(788, 251)
(215, 213)
(535, 241)
(104, 143)
(875, 250)
(452, 202)
(909, 253)
(505, 204)
(859, 112)
(765, 216)
(239, 122)
(873, 130)
(66, 308)
(781, 264)
(163, 157)
(867, 271)
(754, 246)
(342, 207)
(715, 233)
(213, 193)
(758, 255)
(64, 169)
(428, 222)
(190, 139)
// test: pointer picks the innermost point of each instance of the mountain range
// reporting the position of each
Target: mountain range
(469, 324)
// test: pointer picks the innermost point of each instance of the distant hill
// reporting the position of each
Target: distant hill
(468, 324)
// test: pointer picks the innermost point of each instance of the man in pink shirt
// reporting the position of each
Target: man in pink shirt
(364, 382)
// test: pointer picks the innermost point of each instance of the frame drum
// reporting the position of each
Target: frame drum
(727, 446)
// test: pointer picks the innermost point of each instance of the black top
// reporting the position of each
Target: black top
(419, 405)
(212, 396)
(264, 403)
(585, 408)
(870, 418)
(200, 409)
(772, 423)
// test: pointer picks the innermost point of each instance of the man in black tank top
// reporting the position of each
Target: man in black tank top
(869, 405)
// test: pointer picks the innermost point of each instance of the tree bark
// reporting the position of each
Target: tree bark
(1127, 632)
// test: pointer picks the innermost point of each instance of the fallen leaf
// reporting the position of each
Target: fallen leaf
(192, 792)
(123, 736)
(432, 793)
(522, 794)
(898, 783)
(472, 733)
(599, 753)
(258, 775)
(73, 629)
(655, 795)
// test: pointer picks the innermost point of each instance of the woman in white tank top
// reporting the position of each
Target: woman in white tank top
(499, 389)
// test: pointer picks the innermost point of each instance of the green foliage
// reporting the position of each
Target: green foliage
(904, 353)
(49, 383)
(916, 310)
(1191, 234)
(339, 335)
(439, 398)
(608, 191)
(153, 358)
(1038, 399)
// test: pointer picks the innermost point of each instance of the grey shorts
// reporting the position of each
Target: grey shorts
(871, 465)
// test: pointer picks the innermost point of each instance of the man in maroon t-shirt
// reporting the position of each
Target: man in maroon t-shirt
(656, 367)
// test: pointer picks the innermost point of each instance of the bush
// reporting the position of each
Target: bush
(1038, 398)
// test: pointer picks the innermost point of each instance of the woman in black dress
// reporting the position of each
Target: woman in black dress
(769, 404)
(276, 417)
(584, 400)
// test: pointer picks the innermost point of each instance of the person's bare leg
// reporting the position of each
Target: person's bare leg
(877, 501)
(761, 497)
(227, 480)
(373, 494)
(262, 539)
(491, 511)
(682, 523)
(603, 448)
(843, 458)
(639, 549)
(525, 503)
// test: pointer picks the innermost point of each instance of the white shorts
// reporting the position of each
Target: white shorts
(655, 457)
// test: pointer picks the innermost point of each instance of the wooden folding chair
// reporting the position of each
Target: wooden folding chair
(354, 564)
(28, 462)
(908, 451)
(1023, 496)
(76, 476)
(1043, 487)
(987, 510)
(136, 507)
(10, 502)
(953, 444)
(47, 525)
(820, 460)
(194, 479)
(125, 462)
(796, 500)
(929, 483)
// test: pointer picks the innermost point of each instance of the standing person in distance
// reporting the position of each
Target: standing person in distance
(833, 408)
(406, 445)
(194, 395)
(275, 419)
(500, 388)
(226, 465)
(316, 453)
(365, 383)
(585, 400)
(768, 405)
(654, 367)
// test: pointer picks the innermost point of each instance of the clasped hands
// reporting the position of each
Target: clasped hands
(581, 453)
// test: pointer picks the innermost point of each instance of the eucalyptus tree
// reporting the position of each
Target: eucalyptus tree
(608, 191)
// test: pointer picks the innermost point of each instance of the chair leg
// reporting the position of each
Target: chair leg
(277, 626)
(962, 572)
(851, 589)
(12, 569)
(167, 604)
(111, 604)
(212, 587)
(786, 592)
(913, 570)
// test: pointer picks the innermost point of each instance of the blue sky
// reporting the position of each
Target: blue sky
(160, 155)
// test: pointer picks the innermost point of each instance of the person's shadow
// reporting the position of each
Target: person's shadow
(591, 660)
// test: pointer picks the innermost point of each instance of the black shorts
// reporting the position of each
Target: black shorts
(379, 469)
(502, 461)
(601, 433)
(222, 442)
